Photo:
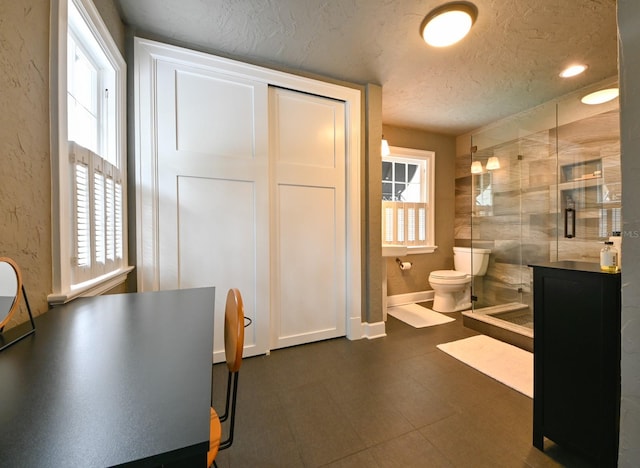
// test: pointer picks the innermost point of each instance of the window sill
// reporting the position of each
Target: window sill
(423, 249)
(91, 288)
(402, 250)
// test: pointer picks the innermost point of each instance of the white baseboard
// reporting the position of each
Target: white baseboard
(373, 330)
(410, 298)
(355, 328)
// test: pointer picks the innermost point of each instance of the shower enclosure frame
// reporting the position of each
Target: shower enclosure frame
(528, 174)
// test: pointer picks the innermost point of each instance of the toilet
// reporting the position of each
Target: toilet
(452, 288)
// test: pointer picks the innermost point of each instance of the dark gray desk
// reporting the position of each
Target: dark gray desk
(111, 380)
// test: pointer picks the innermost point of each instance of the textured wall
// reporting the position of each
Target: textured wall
(111, 16)
(25, 179)
(372, 207)
(416, 279)
(628, 20)
(25, 185)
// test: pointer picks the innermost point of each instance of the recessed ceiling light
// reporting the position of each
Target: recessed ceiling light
(573, 70)
(448, 23)
(599, 97)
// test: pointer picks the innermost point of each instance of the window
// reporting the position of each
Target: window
(88, 154)
(482, 190)
(407, 199)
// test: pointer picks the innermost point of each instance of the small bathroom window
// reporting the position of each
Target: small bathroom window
(407, 199)
(402, 180)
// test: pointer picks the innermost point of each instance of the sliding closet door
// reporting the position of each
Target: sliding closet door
(213, 200)
(243, 182)
(307, 139)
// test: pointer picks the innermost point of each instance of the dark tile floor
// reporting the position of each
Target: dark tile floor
(396, 401)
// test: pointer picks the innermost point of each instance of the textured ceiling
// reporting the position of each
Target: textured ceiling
(509, 62)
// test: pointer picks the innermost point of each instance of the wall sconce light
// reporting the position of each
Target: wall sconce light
(448, 23)
(493, 163)
(476, 167)
(384, 147)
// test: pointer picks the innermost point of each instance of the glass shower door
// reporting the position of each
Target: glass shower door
(496, 223)
(513, 172)
(545, 187)
(589, 179)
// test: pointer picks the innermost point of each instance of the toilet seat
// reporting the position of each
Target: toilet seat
(448, 275)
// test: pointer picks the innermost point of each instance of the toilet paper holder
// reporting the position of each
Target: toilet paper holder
(404, 265)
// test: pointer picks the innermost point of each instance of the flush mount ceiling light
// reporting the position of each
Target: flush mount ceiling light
(573, 70)
(448, 23)
(600, 97)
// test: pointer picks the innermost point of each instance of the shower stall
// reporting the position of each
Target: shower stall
(543, 186)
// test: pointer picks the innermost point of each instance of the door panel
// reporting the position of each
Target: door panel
(308, 137)
(218, 215)
(213, 192)
(309, 297)
(213, 116)
(308, 153)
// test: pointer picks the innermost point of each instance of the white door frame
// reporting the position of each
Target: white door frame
(147, 53)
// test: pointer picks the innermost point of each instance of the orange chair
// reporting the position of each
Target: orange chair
(233, 346)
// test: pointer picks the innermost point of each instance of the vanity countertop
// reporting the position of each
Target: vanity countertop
(572, 265)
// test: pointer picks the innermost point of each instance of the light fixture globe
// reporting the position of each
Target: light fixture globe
(600, 97)
(448, 24)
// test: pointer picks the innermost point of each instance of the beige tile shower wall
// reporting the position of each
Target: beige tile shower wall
(25, 179)
(596, 137)
(522, 218)
(463, 195)
(416, 279)
(25, 186)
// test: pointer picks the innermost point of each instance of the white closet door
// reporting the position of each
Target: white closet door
(213, 207)
(307, 139)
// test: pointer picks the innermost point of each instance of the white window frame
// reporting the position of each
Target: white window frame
(98, 280)
(413, 246)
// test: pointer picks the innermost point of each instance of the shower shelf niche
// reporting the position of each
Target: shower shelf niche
(582, 185)
(582, 171)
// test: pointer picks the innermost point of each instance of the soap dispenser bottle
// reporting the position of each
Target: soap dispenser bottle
(609, 258)
(617, 243)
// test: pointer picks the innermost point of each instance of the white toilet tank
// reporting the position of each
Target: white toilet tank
(471, 261)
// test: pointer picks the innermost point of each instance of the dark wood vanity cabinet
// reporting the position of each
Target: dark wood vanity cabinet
(576, 400)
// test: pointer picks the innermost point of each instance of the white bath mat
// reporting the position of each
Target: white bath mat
(417, 316)
(504, 362)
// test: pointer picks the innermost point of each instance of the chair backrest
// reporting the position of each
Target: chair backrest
(234, 330)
